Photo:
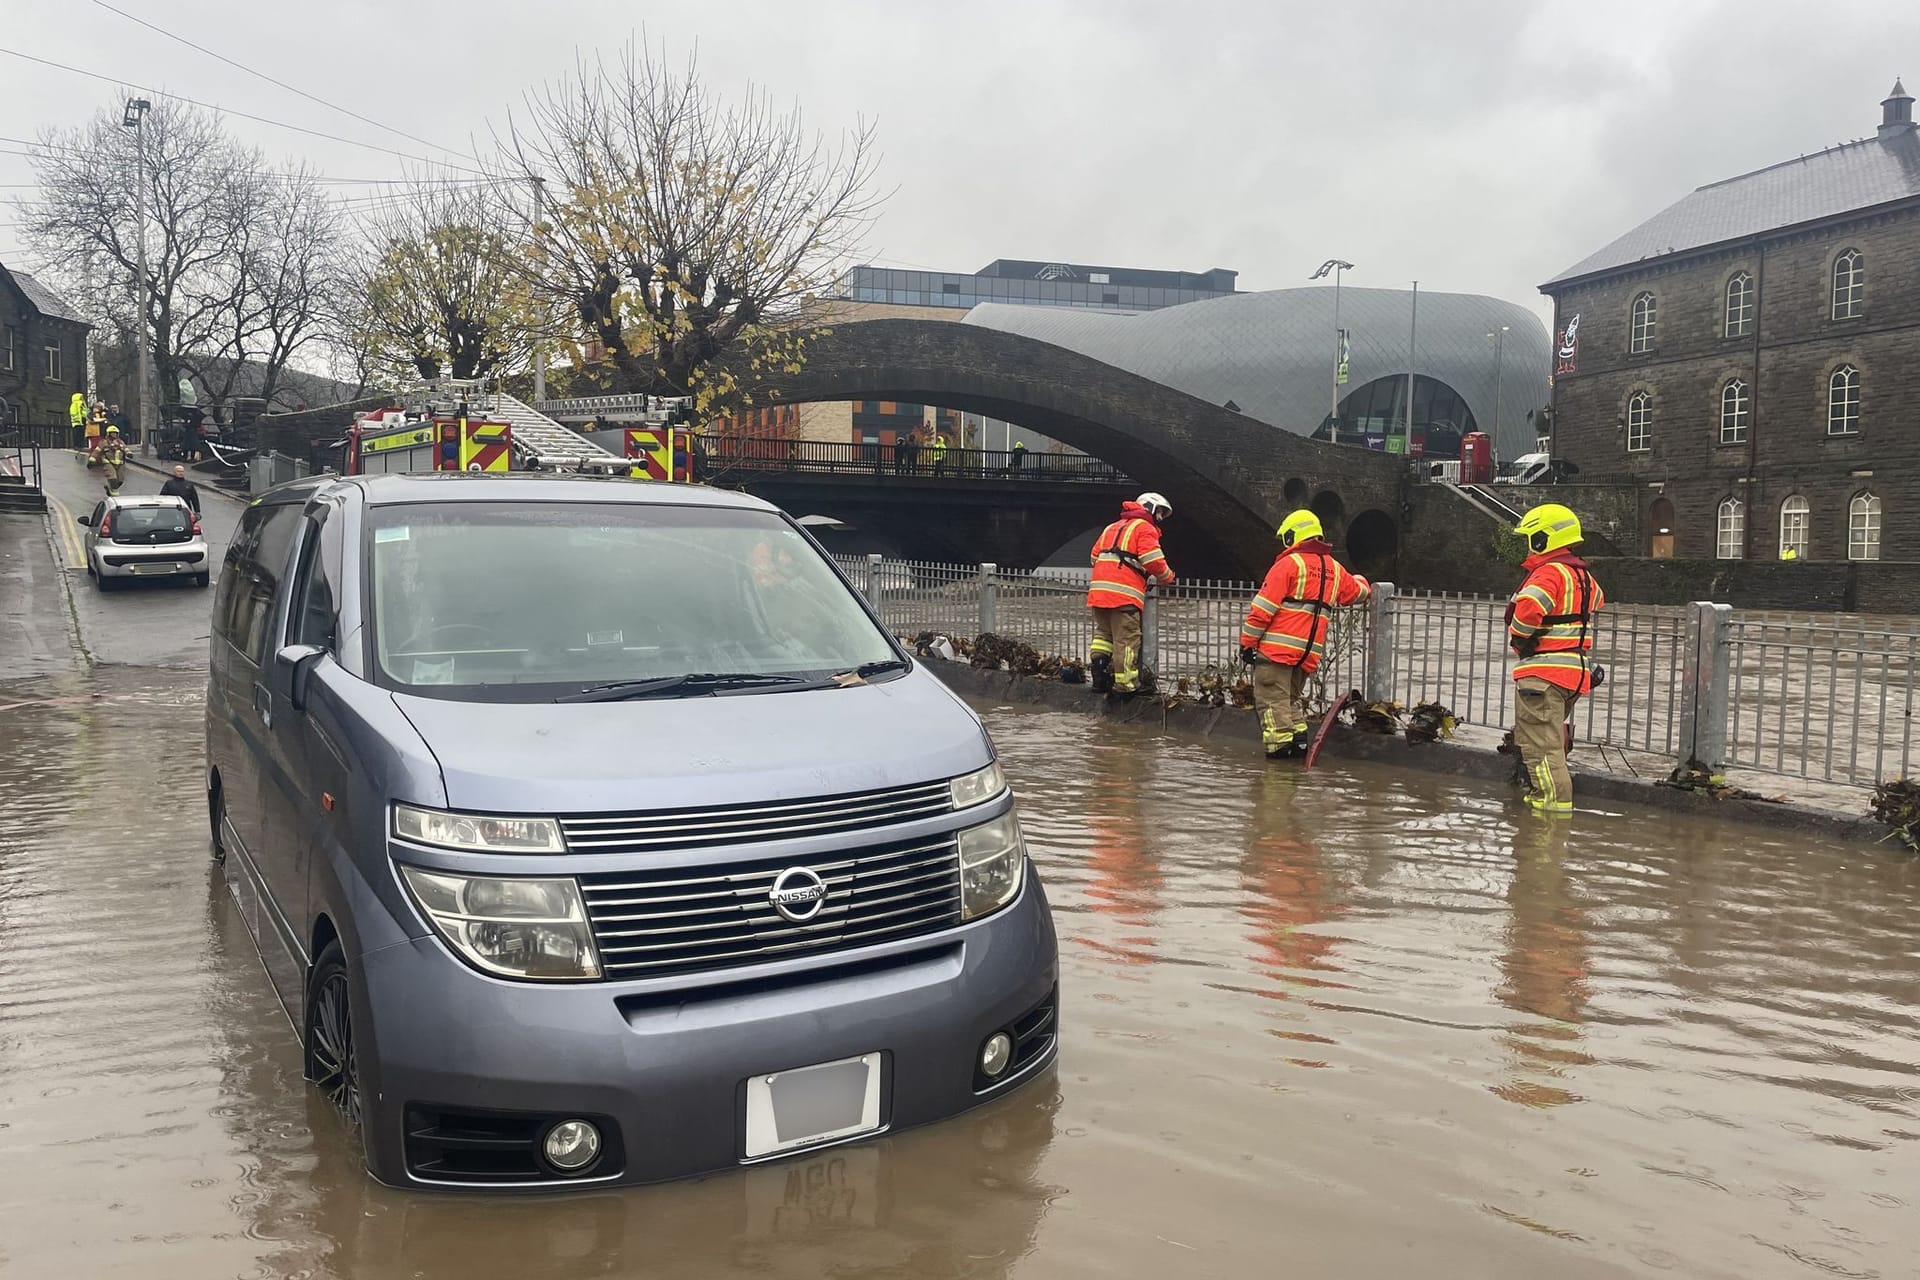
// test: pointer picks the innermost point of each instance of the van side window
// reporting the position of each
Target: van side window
(253, 602)
(312, 616)
(233, 572)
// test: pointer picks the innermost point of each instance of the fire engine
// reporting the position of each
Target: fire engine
(440, 437)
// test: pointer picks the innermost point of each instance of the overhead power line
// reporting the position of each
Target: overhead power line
(241, 66)
(40, 150)
(213, 106)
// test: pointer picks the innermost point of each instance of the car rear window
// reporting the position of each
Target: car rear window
(150, 524)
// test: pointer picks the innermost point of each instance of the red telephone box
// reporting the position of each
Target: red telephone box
(1476, 458)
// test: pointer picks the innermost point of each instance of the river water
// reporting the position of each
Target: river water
(1357, 1022)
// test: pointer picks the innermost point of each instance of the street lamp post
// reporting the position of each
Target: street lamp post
(136, 111)
(1499, 367)
(1335, 265)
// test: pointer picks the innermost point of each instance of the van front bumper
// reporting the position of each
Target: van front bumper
(445, 1050)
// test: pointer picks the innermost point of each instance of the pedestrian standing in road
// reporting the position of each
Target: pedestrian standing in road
(113, 456)
(77, 419)
(1126, 557)
(96, 421)
(1284, 634)
(1550, 628)
(117, 417)
(178, 486)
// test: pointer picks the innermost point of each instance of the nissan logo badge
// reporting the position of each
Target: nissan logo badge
(798, 893)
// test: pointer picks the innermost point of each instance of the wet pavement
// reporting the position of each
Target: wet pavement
(1358, 1023)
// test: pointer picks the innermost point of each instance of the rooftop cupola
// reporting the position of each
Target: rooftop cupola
(1896, 111)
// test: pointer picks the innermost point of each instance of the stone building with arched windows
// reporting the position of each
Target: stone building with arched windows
(1751, 357)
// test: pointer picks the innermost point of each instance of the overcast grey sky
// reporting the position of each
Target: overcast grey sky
(1478, 146)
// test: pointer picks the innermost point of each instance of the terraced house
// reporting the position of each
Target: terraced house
(43, 350)
(1751, 355)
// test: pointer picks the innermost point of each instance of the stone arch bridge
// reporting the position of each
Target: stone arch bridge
(1231, 478)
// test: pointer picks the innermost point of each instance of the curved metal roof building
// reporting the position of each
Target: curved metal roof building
(1271, 354)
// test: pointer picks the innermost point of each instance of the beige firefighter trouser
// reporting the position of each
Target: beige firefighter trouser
(1277, 696)
(116, 475)
(1539, 731)
(1116, 632)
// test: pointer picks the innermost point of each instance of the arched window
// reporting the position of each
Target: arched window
(1796, 519)
(1849, 285)
(1730, 541)
(1739, 306)
(1640, 422)
(1641, 336)
(1734, 405)
(1863, 527)
(1843, 401)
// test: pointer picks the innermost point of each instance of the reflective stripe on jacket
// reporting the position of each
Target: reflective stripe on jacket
(1550, 621)
(1125, 555)
(1289, 618)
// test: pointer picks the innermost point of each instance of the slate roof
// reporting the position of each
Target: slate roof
(44, 300)
(1842, 179)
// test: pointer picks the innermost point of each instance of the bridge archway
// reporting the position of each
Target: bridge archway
(1227, 475)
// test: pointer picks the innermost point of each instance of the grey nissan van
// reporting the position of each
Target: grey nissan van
(596, 832)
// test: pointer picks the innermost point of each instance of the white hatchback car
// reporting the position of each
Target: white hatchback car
(144, 536)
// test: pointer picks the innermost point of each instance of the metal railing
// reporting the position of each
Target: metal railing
(1818, 696)
(19, 461)
(721, 455)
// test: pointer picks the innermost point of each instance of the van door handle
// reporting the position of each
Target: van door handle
(263, 703)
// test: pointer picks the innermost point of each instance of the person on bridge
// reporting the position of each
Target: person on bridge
(178, 486)
(1017, 456)
(1284, 634)
(939, 452)
(1126, 556)
(113, 456)
(906, 454)
(1550, 628)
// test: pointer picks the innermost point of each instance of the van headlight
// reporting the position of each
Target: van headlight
(993, 859)
(477, 832)
(977, 787)
(515, 928)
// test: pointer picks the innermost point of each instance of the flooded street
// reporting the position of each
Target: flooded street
(1359, 1023)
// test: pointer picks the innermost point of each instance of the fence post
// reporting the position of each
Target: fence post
(871, 587)
(1150, 634)
(1379, 681)
(989, 599)
(1706, 683)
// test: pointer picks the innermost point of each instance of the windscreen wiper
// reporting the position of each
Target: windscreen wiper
(692, 683)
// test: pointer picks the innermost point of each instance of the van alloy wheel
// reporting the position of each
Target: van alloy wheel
(331, 1061)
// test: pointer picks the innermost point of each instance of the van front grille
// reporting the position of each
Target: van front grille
(665, 829)
(649, 924)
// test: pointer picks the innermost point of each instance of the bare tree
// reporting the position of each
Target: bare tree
(238, 257)
(201, 187)
(677, 229)
(435, 292)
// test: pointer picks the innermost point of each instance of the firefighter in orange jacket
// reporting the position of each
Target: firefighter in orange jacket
(1126, 556)
(1550, 628)
(1284, 635)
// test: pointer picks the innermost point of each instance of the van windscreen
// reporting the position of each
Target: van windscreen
(529, 601)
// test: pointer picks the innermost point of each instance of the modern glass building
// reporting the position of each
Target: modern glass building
(1036, 284)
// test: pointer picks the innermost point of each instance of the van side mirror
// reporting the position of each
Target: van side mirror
(292, 665)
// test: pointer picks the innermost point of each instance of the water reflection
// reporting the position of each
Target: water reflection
(1124, 877)
(1543, 967)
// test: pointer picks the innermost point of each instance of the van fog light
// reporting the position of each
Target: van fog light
(996, 1054)
(571, 1145)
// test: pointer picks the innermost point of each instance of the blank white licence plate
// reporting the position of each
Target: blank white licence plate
(789, 1110)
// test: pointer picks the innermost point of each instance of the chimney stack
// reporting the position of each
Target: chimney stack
(1896, 112)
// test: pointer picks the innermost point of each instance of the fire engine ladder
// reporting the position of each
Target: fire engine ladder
(542, 443)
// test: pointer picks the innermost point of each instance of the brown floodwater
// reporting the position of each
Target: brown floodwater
(1358, 1023)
